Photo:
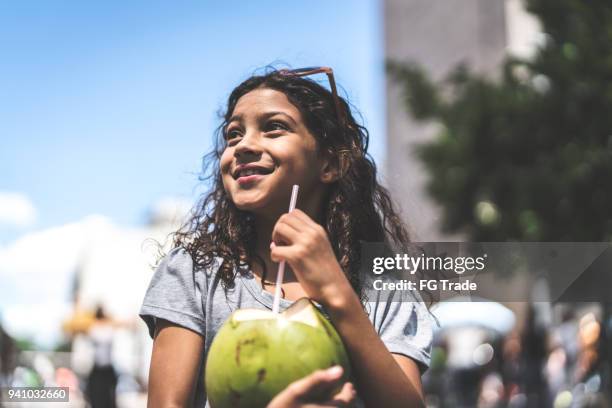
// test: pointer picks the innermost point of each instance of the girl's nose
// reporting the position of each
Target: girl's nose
(248, 145)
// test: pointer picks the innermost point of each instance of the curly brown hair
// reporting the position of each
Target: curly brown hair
(357, 208)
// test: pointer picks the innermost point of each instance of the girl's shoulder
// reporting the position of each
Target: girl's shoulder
(183, 258)
(206, 269)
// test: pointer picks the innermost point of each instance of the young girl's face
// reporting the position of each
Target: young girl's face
(268, 149)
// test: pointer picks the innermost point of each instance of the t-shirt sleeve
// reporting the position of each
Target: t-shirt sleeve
(404, 325)
(175, 294)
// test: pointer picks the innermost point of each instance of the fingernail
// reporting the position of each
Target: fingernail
(272, 245)
(334, 371)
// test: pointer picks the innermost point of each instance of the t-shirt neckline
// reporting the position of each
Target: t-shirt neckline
(262, 295)
(266, 298)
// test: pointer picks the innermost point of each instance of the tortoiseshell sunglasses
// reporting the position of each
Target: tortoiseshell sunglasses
(300, 72)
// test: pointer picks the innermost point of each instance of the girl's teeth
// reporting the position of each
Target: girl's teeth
(249, 172)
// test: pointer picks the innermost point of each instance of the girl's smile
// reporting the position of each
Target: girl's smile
(246, 174)
(248, 180)
(268, 149)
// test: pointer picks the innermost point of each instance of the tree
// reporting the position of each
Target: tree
(526, 156)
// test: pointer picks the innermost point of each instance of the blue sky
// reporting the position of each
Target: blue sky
(107, 107)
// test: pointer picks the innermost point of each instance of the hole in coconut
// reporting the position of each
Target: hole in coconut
(303, 311)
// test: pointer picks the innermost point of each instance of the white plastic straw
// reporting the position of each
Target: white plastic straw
(281, 266)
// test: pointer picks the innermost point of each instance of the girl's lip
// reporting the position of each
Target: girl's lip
(246, 180)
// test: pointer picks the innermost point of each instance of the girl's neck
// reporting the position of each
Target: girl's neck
(264, 225)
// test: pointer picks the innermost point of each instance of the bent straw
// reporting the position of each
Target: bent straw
(281, 265)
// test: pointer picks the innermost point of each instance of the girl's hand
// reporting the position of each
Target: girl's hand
(313, 391)
(304, 244)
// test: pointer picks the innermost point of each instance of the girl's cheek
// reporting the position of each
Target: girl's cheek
(225, 163)
(226, 188)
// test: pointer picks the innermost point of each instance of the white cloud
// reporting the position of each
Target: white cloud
(16, 209)
(37, 272)
(170, 210)
(38, 321)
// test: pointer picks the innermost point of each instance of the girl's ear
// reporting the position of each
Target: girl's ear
(334, 166)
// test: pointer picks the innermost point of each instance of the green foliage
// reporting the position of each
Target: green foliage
(25, 344)
(527, 156)
(63, 346)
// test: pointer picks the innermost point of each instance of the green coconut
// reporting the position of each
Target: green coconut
(257, 353)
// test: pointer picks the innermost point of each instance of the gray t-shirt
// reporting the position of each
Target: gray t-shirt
(195, 299)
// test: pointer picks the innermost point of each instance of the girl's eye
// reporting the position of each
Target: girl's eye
(276, 126)
(231, 135)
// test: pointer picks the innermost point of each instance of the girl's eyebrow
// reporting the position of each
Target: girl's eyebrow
(273, 113)
(235, 118)
(263, 116)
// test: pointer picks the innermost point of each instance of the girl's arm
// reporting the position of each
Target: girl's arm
(174, 366)
(382, 379)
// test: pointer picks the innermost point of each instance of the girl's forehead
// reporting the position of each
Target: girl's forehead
(263, 100)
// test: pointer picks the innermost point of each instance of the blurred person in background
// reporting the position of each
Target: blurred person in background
(102, 381)
(8, 358)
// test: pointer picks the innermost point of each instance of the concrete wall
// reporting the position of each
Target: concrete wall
(438, 34)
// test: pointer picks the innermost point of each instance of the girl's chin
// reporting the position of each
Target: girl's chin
(261, 206)
(251, 204)
(252, 207)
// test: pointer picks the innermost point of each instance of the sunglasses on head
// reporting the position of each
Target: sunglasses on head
(301, 72)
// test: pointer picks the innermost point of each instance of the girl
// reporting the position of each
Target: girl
(281, 129)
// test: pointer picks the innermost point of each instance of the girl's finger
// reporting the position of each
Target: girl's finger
(328, 404)
(346, 398)
(317, 384)
(304, 218)
(281, 253)
(305, 392)
(283, 232)
(290, 253)
(293, 221)
(346, 395)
